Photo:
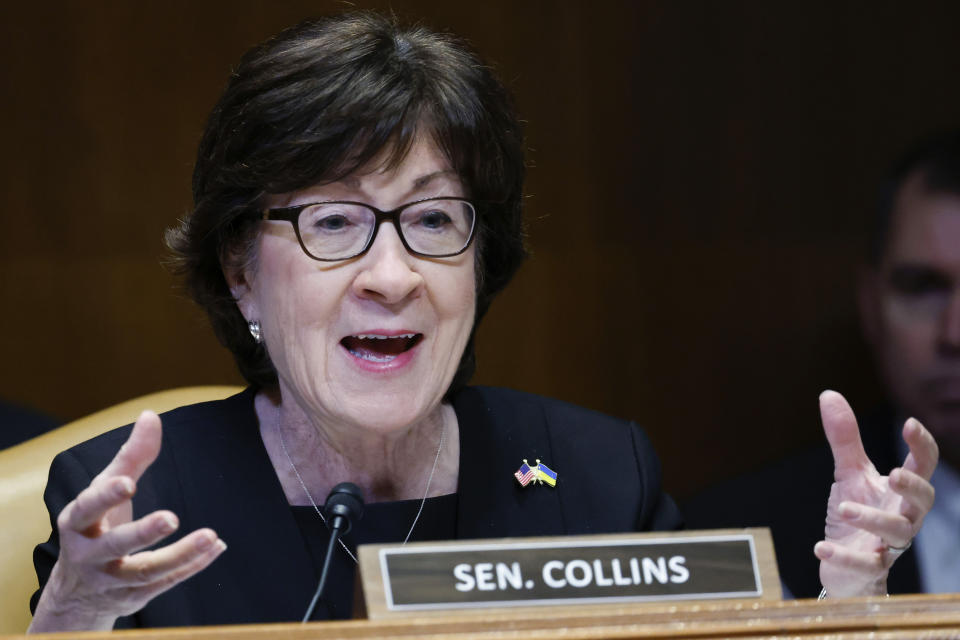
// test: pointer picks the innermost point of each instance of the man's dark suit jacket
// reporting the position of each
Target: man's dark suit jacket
(790, 497)
(19, 424)
(213, 471)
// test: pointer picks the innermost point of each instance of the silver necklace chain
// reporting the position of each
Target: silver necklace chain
(313, 503)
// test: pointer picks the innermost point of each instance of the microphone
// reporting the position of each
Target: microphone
(344, 506)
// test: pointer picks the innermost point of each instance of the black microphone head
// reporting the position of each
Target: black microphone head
(344, 505)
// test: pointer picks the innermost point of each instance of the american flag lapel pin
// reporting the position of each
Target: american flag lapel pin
(525, 474)
(537, 474)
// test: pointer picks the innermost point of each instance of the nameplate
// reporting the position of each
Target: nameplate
(525, 572)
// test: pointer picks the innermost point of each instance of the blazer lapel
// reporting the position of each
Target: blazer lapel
(496, 434)
(266, 573)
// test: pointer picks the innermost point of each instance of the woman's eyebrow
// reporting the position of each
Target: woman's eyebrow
(356, 183)
(422, 181)
(351, 182)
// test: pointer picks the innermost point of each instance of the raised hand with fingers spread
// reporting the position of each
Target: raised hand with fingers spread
(871, 519)
(103, 571)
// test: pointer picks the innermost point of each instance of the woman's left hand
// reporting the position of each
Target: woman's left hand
(871, 519)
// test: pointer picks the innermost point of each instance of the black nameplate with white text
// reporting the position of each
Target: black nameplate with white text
(584, 570)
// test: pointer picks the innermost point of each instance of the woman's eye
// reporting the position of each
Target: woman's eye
(434, 219)
(334, 222)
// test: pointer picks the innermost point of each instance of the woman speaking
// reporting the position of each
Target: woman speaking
(357, 206)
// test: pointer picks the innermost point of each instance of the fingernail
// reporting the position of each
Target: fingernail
(205, 541)
(847, 510)
(221, 546)
(125, 486)
(168, 522)
(897, 478)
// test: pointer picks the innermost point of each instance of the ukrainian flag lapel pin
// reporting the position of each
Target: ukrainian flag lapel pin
(537, 474)
(546, 475)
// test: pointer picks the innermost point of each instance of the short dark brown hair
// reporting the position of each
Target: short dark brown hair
(321, 100)
(936, 159)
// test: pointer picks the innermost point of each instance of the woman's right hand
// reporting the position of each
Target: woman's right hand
(101, 572)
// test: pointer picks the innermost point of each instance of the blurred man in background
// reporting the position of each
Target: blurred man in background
(909, 300)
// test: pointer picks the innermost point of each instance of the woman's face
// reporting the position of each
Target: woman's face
(372, 341)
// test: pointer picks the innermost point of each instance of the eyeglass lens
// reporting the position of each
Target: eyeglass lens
(336, 230)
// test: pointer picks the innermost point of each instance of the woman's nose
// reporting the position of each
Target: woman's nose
(388, 272)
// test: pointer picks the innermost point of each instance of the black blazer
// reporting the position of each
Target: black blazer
(213, 471)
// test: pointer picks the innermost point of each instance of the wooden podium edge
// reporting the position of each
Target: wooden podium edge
(915, 616)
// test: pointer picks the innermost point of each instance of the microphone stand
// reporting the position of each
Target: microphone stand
(334, 536)
(344, 502)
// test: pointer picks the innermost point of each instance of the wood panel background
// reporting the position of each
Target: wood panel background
(701, 176)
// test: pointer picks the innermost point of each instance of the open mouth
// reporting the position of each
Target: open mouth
(377, 348)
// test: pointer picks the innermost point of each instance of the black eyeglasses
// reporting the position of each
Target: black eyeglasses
(432, 228)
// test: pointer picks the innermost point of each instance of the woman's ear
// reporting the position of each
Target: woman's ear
(239, 276)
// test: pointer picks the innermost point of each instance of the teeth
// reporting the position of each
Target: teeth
(371, 336)
(372, 357)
